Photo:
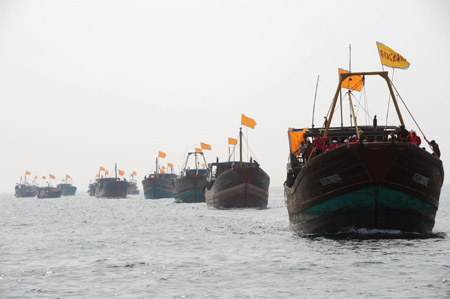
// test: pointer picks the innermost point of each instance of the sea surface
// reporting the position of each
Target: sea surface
(84, 247)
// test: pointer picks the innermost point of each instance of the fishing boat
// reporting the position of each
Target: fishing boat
(189, 186)
(49, 192)
(111, 187)
(133, 188)
(66, 187)
(237, 184)
(24, 188)
(379, 180)
(91, 188)
(159, 184)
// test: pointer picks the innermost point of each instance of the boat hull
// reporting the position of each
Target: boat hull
(156, 187)
(373, 186)
(112, 189)
(67, 189)
(49, 192)
(239, 188)
(189, 189)
(133, 188)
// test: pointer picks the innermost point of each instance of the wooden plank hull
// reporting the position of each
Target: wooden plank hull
(239, 188)
(189, 189)
(158, 187)
(374, 185)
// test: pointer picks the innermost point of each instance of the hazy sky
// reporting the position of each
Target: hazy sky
(89, 83)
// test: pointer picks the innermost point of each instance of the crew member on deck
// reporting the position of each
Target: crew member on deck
(402, 134)
(415, 139)
(319, 144)
(435, 147)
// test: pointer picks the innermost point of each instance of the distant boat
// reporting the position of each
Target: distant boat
(189, 186)
(133, 188)
(67, 188)
(49, 192)
(158, 184)
(25, 190)
(379, 181)
(111, 187)
(237, 184)
(91, 188)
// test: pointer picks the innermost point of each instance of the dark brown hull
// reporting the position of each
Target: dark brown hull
(373, 185)
(239, 188)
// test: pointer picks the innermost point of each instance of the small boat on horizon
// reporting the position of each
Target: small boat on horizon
(25, 189)
(379, 179)
(189, 186)
(111, 187)
(66, 187)
(159, 184)
(237, 184)
(49, 192)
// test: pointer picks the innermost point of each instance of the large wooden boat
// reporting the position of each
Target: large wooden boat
(158, 184)
(189, 186)
(112, 187)
(237, 184)
(49, 192)
(378, 182)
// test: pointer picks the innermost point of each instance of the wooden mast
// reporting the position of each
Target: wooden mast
(344, 76)
(240, 146)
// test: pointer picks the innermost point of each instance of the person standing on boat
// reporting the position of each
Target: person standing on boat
(319, 144)
(402, 134)
(415, 139)
(302, 149)
(435, 147)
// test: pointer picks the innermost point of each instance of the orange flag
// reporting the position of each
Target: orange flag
(352, 82)
(62, 180)
(169, 165)
(247, 121)
(52, 176)
(102, 168)
(163, 167)
(205, 146)
(35, 177)
(161, 154)
(232, 141)
(106, 172)
(162, 171)
(198, 150)
(203, 165)
(97, 176)
(27, 172)
(67, 176)
(43, 177)
(134, 173)
(121, 172)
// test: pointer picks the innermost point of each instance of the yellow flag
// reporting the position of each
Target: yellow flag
(247, 121)
(121, 172)
(161, 154)
(205, 146)
(391, 58)
(198, 150)
(352, 82)
(232, 141)
(169, 165)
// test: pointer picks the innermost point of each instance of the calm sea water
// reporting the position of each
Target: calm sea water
(84, 247)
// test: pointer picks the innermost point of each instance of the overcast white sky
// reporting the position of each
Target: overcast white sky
(89, 83)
